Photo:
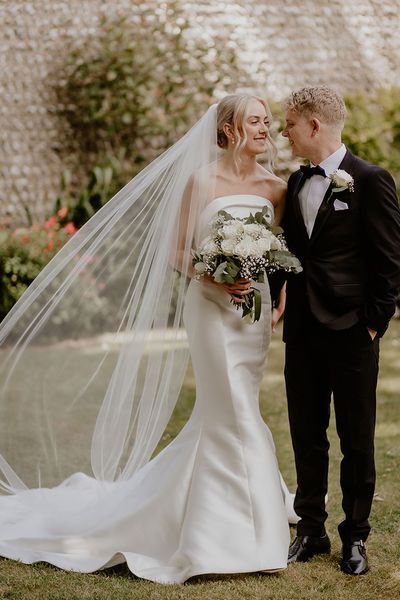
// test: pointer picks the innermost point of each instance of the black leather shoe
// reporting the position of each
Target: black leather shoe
(354, 561)
(305, 546)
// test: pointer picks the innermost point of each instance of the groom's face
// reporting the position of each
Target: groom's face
(298, 131)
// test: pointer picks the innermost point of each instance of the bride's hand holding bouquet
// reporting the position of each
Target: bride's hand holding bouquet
(239, 250)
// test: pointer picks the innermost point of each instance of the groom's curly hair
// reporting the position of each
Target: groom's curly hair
(319, 101)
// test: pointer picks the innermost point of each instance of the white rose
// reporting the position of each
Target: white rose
(264, 244)
(266, 233)
(275, 243)
(228, 247)
(200, 268)
(247, 247)
(233, 230)
(210, 247)
(254, 230)
(342, 179)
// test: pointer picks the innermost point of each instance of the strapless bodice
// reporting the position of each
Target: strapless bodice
(238, 205)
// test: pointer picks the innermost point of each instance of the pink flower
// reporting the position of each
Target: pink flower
(70, 228)
(50, 222)
(62, 213)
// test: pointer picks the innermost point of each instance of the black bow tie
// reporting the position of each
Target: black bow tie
(310, 171)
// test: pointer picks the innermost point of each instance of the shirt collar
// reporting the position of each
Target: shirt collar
(332, 162)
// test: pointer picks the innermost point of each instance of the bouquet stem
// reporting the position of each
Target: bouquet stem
(251, 305)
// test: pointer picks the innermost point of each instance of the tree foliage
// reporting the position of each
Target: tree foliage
(372, 128)
(136, 86)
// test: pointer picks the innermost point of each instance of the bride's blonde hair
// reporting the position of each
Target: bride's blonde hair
(232, 110)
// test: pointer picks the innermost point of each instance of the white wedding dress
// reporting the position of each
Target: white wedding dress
(212, 501)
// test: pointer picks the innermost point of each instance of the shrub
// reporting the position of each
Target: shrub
(81, 204)
(139, 83)
(372, 128)
(24, 252)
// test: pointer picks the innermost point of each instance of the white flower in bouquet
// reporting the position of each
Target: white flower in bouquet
(232, 229)
(200, 268)
(209, 247)
(247, 247)
(266, 233)
(254, 230)
(264, 245)
(276, 243)
(228, 247)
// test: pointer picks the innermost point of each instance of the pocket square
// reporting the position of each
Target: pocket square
(339, 205)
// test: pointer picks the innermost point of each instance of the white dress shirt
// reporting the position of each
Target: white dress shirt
(314, 189)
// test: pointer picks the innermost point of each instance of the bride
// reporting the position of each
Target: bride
(92, 363)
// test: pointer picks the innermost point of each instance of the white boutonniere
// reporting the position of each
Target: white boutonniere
(341, 181)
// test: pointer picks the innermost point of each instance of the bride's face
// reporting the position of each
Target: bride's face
(255, 126)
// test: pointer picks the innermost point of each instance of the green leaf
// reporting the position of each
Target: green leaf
(276, 230)
(225, 215)
(257, 304)
(221, 274)
(232, 268)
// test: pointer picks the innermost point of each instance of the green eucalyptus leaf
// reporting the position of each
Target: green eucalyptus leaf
(232, 268)
(225, 215)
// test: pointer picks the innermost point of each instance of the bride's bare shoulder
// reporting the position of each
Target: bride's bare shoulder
(275, 187)
(272, 179)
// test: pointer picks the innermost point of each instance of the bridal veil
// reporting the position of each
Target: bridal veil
(91, 356)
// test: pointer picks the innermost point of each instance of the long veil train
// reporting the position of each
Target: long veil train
(79, 388)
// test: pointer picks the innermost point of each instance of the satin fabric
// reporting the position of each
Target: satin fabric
(212, 501)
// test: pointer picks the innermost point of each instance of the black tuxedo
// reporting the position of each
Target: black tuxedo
(350, 281)
(352, 260)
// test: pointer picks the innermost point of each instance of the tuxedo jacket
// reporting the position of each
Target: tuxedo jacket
(351, 262)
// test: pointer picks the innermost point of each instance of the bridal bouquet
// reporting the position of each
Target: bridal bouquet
(243, 248)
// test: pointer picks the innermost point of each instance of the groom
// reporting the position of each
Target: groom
(345, 229)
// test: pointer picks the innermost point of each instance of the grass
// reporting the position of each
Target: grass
(318, 579)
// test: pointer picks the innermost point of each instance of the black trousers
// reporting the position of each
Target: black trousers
(343, 364)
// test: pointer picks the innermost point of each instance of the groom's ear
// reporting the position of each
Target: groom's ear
(315, 126)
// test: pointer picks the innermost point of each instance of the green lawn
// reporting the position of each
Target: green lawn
(319, 578)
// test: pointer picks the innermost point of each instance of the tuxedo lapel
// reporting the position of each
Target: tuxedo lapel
(326, 208)
(348, 163)
(296, 206)
(324, 211)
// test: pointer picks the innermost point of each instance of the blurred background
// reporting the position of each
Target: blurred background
(92, 90)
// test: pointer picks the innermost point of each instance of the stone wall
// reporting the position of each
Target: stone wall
(351, 45)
